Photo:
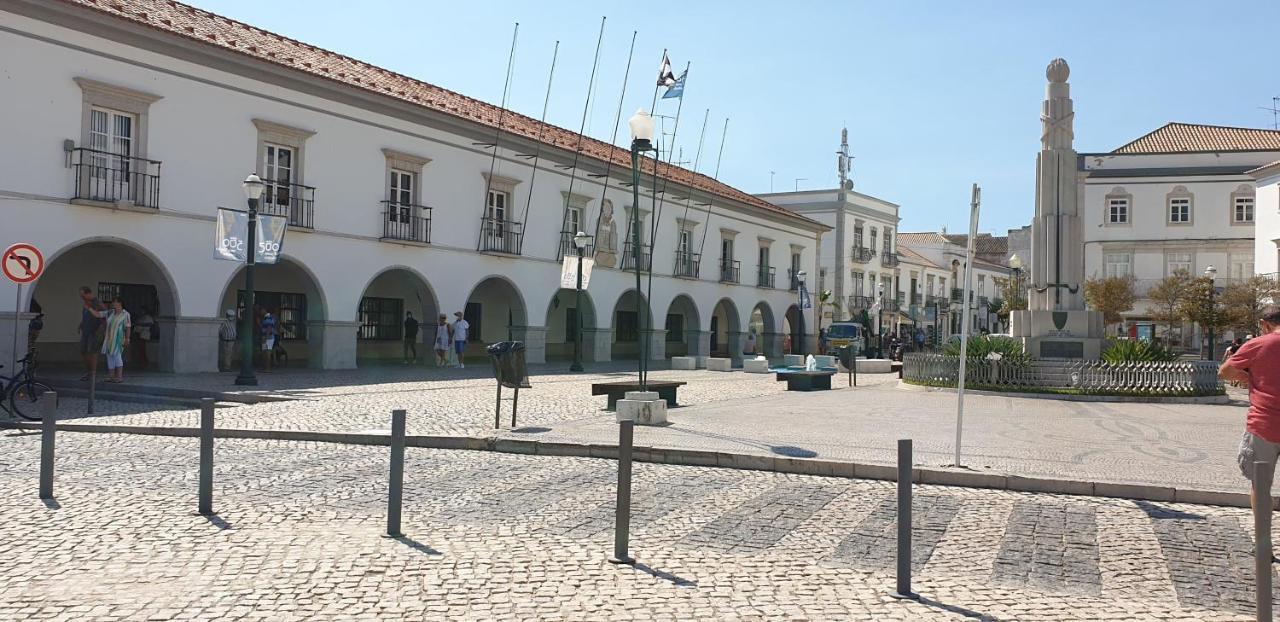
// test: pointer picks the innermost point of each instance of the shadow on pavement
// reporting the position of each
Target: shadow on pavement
(1156, 511)
(956, 609)
(218, 522)
(415, 545)
(666, 576)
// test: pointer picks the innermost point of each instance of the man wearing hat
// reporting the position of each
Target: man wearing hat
(227, 340)
(460, 328)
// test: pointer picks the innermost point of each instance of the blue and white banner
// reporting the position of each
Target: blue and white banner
(677, 88)
(805, 301)
(232, 235)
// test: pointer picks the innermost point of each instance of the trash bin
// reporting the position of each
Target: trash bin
(846, 356)
(508, 364)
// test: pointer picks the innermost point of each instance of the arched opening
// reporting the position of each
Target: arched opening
(111, 269)
(495, 312)
(726, 330)
(762, 331)
(288, 291)
(627, 329)
(683, 326)
(563, 316)
(794, 329)
(388, 301)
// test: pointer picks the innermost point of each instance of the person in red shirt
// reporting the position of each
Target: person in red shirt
(1257, 364)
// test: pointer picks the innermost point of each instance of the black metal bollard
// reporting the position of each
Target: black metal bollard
(904, 521)
(395, 487)
(1263, 473)
(206, 457)
(48, 427)
(622, 511)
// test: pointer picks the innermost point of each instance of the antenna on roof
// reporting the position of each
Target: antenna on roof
(1275, 112)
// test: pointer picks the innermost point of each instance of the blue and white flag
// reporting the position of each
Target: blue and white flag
(665, 76)
(677, 88)
(805, 301)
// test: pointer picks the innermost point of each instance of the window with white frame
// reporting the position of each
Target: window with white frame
(857, 235)
(1242, 209)
(982, 284)
(1241, 266)
(497, 208)
(573, 216)
(1180, 210)
(111, 136)
(858, 282)
(278, 171)
(1117, 264)
(1118, 211)
(1175, 262)
(685, 243)
(874, 237)
(888, 240)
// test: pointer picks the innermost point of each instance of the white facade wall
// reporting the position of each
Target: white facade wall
(202, 130)
(1266, 247)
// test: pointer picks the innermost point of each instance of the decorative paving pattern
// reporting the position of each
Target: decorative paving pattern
(873, 543)
(764, 520)
(1050, 546)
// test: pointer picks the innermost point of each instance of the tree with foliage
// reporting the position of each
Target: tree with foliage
(1112, 296)
(1201, 305)
(1013, 297)
(826, 300)
(1165, 299)
(1242, 302)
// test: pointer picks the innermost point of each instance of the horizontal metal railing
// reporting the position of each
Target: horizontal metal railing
(861, 254)
(501, 236)
(629, 257)
(404, 221)
(293, 201)
(687, 264)
(729, 271)
(793, 279)
(764, 276)
(888, 259)
(1176, 378)
(860, 302)
(567, 249)
(109, 177)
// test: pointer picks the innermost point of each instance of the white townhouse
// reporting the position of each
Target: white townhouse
(1179, 198)
(942, 289)
(1266, 244)
(127, 123)
(860, 257)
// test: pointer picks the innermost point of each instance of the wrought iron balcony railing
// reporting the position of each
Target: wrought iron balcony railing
(567, 249)
(295, 202)
(687, 264)
(861, 254)
(501, 236)
(793, 279)
(857, 303)
(112, 178)
(888, 259)
(764, 276)
(729, 271)
(957, 295)
(404, 221)
(629, 257)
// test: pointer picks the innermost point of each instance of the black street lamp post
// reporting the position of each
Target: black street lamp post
(253, 188)
(580, 242)
(1211, 272)
(800, 292)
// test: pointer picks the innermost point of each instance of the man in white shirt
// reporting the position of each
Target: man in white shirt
(460, 328)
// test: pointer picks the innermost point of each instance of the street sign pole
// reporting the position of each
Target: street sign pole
(21, 263)
(17, 307)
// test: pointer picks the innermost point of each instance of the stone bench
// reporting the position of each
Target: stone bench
(800, 380)
(666, 389)
(684, 362)
(719, 364)
(793, 360)
(755, 366)
(875, 366)
(823, 360)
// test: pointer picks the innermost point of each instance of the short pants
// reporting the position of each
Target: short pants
(115, 361)
(1255, 449)
(90, 343)
(459, 346)
(268, 343)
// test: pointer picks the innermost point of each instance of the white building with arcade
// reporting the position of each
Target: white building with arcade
(128, 123)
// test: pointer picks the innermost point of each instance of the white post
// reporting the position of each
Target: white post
(964, 315)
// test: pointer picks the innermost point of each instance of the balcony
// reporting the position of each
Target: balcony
(888, 259)
(858, 303)
(957, 295)
(110, 178)
(687, 264)
(890, 305)
(295, 202)
(764, 276)
(567, 249)
(406, 222)
(794, 279)
(498, 235)
(861, 254)
(983, 302)
(629, 257)
(729, 271)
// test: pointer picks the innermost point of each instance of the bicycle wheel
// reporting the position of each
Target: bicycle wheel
(25, 398)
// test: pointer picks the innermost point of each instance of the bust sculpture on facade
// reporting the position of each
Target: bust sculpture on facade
(607, 237)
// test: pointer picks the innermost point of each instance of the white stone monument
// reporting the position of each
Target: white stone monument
(1056, 324)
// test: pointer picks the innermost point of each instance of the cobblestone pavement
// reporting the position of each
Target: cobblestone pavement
(505, 537)
(1182, 445)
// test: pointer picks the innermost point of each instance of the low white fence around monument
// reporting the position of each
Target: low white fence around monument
(1177, 378)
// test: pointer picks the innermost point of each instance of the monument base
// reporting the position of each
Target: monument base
(1059, 334)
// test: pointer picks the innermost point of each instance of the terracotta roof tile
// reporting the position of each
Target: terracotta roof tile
(210, 29)
(1190, 138)
(914, 257)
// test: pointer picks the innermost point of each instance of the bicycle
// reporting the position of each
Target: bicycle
(22, 391)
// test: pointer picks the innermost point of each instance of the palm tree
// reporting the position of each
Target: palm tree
(825, 300)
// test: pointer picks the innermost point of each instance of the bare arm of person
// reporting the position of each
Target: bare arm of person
(1232, 373)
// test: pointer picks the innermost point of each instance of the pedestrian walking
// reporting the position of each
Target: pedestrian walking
(115, 340)
(227, 340)
(460, 329)
(750, 348)
(410, 338)
(142, 330)
(1257, 364)
(822, 341)
(443, 340)
(268, 331)
(90, 331)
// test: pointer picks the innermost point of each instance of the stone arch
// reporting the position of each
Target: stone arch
(496, 311)
(761, 324)
(291, 292)
(793, 327)
(385, 302)
(562, 318)
(111, 267)
(629, 329)
(726, 330)
(684, 327)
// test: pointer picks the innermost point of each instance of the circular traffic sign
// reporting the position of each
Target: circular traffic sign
(22, 263)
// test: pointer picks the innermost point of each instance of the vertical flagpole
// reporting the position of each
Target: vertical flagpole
(964, 315)
(577, 149)
(502, 111)
(537, 152)
(617, 120)
(658, 207)
(707, 225)
(652, 104)
(697, 158)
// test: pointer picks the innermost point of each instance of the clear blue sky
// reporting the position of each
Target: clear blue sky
(936, 95)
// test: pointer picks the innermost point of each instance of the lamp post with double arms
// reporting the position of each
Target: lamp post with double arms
(1211, 272)
(800, 292)
(253, 188)
(580, 242)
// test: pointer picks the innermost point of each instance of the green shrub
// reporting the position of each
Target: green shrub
(983, 346)
(1136, 351)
